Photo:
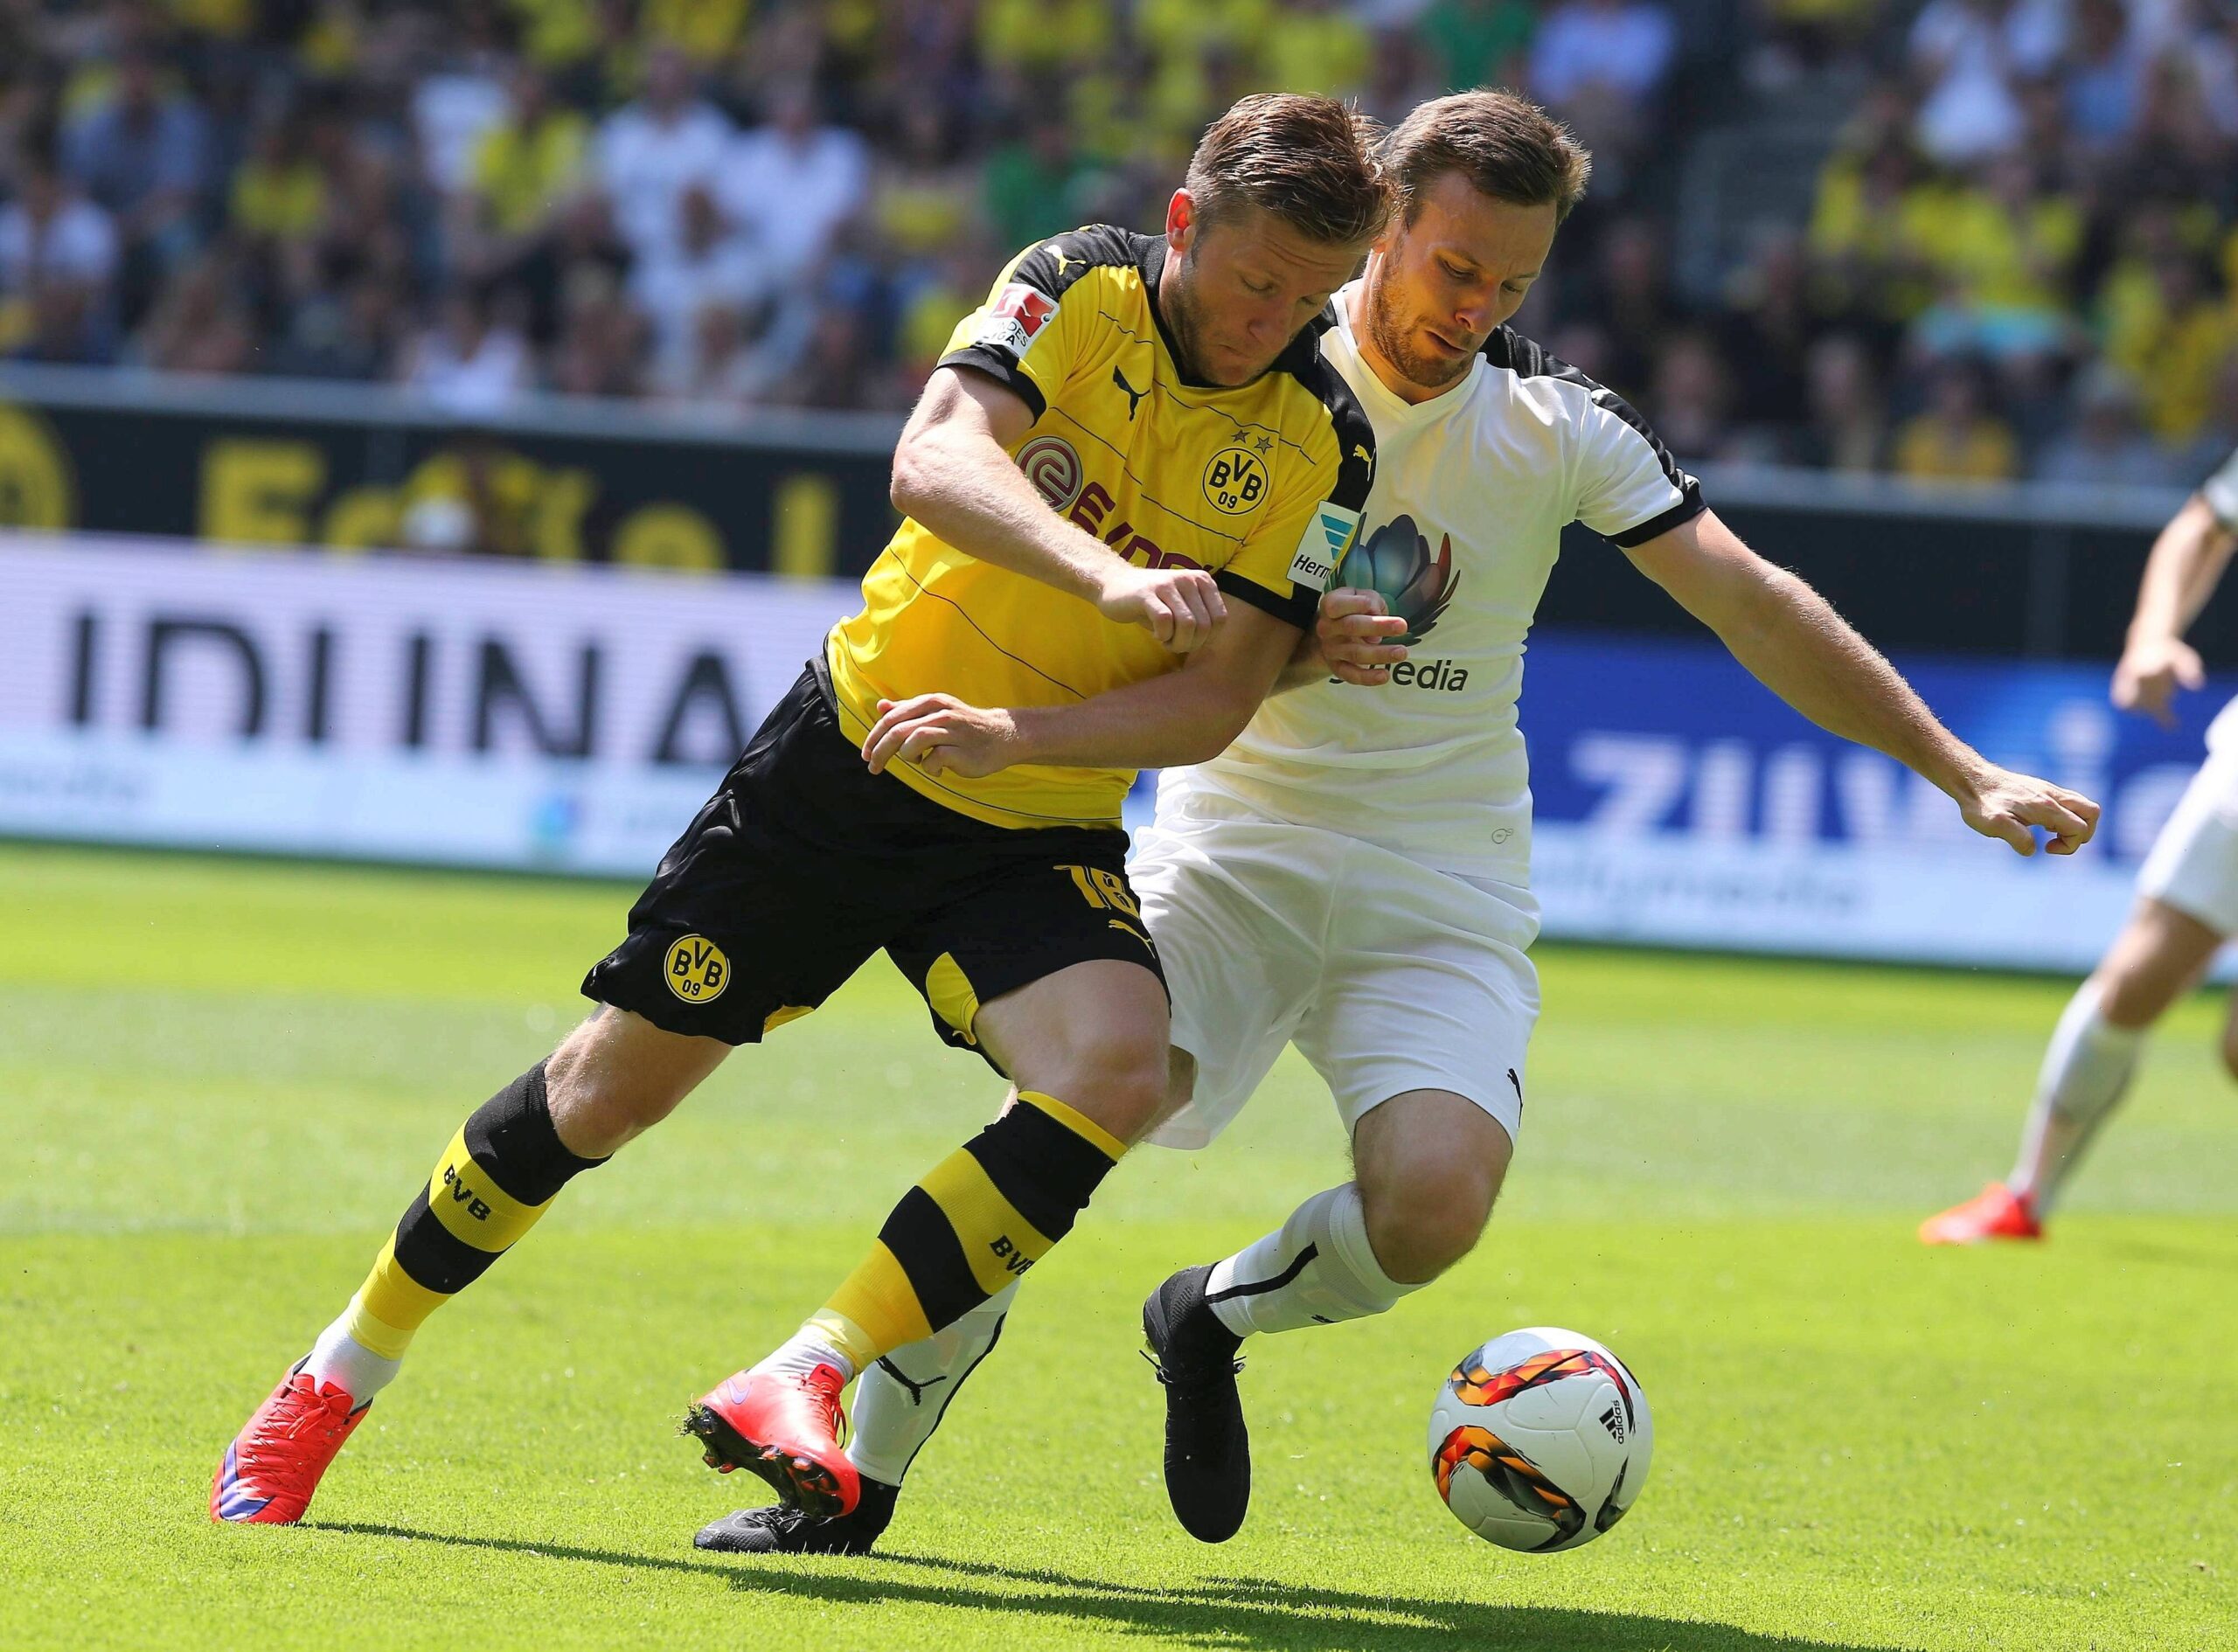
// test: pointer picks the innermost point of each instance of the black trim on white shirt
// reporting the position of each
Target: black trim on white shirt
(1527, 359)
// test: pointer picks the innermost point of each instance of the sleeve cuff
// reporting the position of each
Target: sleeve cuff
(1002, 371)
(1298, 608)
(1690, 504)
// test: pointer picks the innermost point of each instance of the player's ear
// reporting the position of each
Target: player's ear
(1180, 222)
(1393, 227)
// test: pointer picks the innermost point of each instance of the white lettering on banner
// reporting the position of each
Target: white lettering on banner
(603, 819)
(1671, 889)
(1645, 775)
(1722, 791)
(372, 654)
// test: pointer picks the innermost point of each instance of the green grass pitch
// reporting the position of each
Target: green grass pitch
(222, 1081)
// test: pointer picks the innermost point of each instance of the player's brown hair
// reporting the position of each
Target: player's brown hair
(1311, 161)
(1506, 146)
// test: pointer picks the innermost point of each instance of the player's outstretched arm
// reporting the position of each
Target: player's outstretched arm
(2187, 560)
(1178, 717)
(953, 473)
(1792, 640)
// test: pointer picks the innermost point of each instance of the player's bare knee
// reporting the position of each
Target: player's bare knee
(1422, 1223)
(1116, 1076)
(599, 1098)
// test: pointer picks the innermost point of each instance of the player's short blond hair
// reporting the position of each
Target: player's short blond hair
(1506, 146)
(1308, 160)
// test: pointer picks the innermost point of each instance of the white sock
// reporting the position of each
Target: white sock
(801, 1353)
(2087, 1068)
(340, 1358)
(903, 1397)
(1315, 1269)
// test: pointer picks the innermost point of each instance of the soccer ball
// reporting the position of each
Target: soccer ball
(1539, 1441)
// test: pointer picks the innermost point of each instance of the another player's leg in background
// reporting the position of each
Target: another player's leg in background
(1427, 1166)
(2160, 953)
(899, 1402)
(616, 1075)
(1085, 1048)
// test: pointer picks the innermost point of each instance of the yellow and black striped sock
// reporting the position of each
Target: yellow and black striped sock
(501, 1172)
(988, 1211)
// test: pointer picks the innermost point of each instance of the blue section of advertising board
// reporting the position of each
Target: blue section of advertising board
(1676, 737)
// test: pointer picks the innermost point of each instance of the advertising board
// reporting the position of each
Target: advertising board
(570, 717)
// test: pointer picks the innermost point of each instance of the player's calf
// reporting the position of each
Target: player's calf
(957, 1240)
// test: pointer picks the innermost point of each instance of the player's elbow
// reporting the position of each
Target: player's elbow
(910, 488)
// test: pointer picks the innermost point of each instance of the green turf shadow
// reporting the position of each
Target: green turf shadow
(1218, 1611)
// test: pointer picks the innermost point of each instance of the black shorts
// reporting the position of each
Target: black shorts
(804, 862)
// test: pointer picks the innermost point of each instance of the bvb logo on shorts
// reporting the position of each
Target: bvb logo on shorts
(697, 970)
(1235, 481)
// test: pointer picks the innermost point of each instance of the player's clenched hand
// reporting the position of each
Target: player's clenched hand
(1355, 634)
(942, 735)
(1180, 606)
(2151, 672)
(2006, 804)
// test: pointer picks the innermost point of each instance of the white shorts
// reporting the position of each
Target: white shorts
(1388, 976)
(2194, 864)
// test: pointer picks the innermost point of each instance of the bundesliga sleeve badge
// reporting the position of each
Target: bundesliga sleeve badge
(1019, 313)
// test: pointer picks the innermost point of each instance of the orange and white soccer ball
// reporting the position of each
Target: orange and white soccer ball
(1539, 1441)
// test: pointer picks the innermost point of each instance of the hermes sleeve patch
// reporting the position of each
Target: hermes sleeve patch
(1328, 533)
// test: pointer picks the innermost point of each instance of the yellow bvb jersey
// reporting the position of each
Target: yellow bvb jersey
(1262, 485)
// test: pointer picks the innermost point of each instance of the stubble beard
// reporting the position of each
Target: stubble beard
(1393, 340)
(1176, 303)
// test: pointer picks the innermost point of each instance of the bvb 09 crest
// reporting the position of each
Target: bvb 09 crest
(1235, 481)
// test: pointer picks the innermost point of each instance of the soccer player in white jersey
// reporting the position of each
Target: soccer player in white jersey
(2187, 892)
(1352, 874)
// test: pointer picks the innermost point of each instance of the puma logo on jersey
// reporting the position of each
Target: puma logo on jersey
(1361, 454)
(1134, 396)
(1063, 262)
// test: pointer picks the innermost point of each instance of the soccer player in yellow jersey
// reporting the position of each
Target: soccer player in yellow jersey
(1125, 486)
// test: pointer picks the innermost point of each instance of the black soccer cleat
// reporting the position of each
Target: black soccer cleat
(780, 1529)
(1208, 1448)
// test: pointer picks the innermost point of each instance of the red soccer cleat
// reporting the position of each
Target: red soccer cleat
(274, 1465)
(785, 1428)
(1997, 1212)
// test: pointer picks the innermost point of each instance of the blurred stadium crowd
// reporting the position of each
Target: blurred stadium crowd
(2018, 256)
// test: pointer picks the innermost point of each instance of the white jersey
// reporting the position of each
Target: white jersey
(1472, 490)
